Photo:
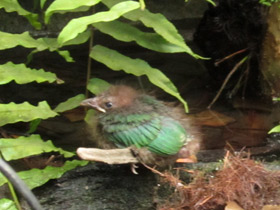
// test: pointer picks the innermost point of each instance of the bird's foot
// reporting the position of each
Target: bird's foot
(190, 159)
(133, 167)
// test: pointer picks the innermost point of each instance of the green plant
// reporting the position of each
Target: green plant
(268, 2)
(275, 129)
(164, 39)
(209, 1)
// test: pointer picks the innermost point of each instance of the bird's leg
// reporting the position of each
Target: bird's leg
(135, 153)
(143, 155)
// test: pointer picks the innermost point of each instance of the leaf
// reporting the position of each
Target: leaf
(79, 25)
(137, 67)
(66, 55)
(276, 129)
(52, 45)
(89, 116)
(97, 86)
(71, 103)
(159, 23)
(211, 2)
(63, 6)
(9, 40)
(142, 4)
(25, 112)
(6, 204)
(13, 149)
(266, 2)
(14, 6)
(33, 125)
(80, 39)
(128, 33)
(164, 28)
(37, 177)
(42, 3)
(22, 74)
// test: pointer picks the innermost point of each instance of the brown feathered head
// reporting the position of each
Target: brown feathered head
(117, 96)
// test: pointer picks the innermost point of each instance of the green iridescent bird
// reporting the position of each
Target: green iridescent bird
(128, 118)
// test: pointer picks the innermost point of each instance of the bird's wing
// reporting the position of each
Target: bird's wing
(134, 129)
(171, 138)
(161, 135)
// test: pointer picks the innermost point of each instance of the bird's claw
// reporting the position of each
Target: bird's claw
(133, 167)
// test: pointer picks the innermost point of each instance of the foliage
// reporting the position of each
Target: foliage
(119, 23)
(97, 86)
(117, 61)
(276, 129)
(209, 1)
(71, 103)
(22, 75)
(37, 177)
(14, 6)
(24, 112)
(7, 204)
(268, 2)
(20, 147)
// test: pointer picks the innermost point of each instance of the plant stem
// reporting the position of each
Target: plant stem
(19, 185)
(89, 60)
(142, 4)
(14, 195)
(12, 190)
(226, 80)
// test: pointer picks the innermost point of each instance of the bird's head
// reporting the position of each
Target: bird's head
(116, 97)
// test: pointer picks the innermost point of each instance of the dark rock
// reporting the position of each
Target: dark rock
(99, 186)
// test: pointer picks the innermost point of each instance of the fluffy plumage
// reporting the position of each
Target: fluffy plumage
(128, 118)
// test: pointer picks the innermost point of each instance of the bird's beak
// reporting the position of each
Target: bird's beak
(92, 102)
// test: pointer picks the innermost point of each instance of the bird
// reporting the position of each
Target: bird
(127, 117)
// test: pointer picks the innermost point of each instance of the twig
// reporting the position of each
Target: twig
(3, 133)
(246, 80)
(175, 182)
(50, 159)
(204, 201)
(229, 56)
(153, 170)
(226, 80)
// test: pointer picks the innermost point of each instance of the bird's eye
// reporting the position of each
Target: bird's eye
(108, 104)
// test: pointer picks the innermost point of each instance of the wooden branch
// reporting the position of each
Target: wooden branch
(109, 156)
(124, 156)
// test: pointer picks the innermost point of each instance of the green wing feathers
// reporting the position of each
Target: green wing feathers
(161, 135)
(170, 139)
